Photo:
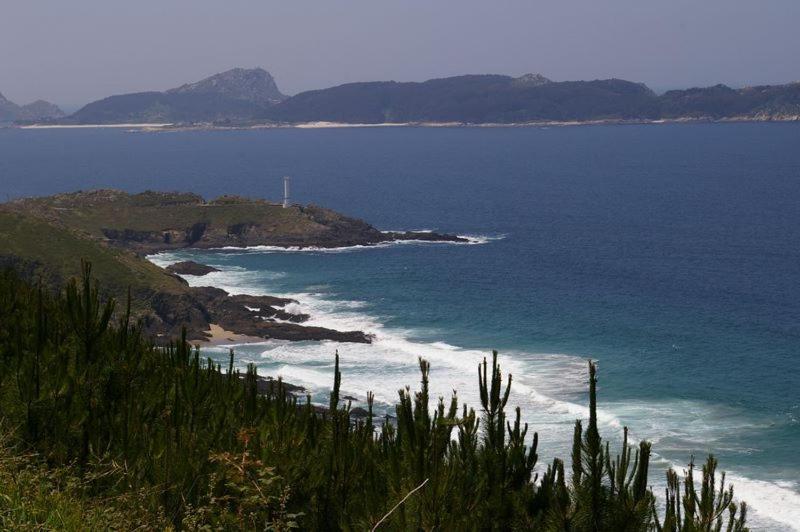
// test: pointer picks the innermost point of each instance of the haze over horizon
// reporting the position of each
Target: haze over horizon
(71, 54)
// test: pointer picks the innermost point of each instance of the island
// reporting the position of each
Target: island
(46, 238)
(244, 98)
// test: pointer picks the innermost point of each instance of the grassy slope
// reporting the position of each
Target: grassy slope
(35, 496)
(158, 211)
(60, 250)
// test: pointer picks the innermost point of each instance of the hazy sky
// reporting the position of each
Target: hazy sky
(72, 52)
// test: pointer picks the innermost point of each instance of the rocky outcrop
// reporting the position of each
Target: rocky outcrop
(273, 387)
(189, 267)
(253, 85)
(530, 80)
(255, 316)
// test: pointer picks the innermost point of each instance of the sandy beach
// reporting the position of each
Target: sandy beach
(219, 336)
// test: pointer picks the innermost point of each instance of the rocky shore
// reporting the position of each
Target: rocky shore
(254, 317)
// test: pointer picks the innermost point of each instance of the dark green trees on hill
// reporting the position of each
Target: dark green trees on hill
(148, 437)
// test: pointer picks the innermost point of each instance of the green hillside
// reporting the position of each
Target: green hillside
(155, 221)
(56, 253)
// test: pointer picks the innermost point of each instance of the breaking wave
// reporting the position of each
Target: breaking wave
(549, 388)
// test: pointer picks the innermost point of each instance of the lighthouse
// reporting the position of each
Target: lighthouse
(286, 192)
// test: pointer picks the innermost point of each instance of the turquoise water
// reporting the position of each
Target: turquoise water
(670, 254)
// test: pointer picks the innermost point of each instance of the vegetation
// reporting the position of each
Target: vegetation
(149, 222)
(97, 211)
(101, 429)
(55, 252)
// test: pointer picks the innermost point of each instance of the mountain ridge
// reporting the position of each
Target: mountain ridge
(236, 94)
(246, 97)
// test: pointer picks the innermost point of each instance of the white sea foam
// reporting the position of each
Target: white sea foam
(549, 388)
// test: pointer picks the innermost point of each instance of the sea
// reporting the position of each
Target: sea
(669, 254)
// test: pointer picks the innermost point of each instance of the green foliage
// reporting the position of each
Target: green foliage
(119, 431)
(36, 497)
(52, 251)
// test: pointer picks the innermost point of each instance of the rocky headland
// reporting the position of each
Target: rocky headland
(47, 237)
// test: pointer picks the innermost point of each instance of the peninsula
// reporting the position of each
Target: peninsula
(47, 237)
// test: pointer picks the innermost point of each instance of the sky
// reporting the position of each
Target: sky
(73, 52)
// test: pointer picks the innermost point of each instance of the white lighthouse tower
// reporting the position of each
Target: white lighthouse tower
(286, 192)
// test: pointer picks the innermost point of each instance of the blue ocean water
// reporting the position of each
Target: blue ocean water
(670, 254)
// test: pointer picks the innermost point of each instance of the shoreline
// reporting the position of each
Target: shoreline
(761, 494)
(94, 126)
(289, 326)
(422, 124)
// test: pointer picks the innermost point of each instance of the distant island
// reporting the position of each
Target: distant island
(47, 238)
(250, 97)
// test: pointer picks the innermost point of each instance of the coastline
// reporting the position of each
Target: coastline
(306, 366)
(422, 124)
(234, 311)
(93, 126)
(123, 229)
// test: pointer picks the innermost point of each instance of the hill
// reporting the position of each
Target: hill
(768, 102)
(157, 221)
(36, 111)
(237, 94)
(471, 99)
(532, 98)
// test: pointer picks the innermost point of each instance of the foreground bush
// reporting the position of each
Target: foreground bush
(86, 397)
